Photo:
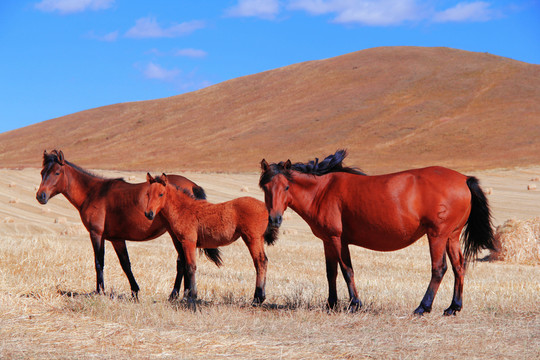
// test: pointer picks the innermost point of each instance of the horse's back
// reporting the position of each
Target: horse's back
(388, 212)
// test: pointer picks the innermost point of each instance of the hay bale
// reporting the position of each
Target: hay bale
(531, 187)
(535, 179)
(8, 220)
(518, 241)
(60, 220)
(244, 189)
(13, 201)
(489, 191)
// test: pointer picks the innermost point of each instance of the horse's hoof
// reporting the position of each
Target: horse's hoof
(135, 296)
(451, 311)
(354, 306)
(257, 302)
(420, 311)
(174, 296)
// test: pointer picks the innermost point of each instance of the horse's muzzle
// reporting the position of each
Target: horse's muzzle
(275, 221)
(150, 215)
(42, 197)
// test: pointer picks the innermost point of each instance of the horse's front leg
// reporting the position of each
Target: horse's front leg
(180, 269)
(123, 257)
(348, 274)
(331, 257)
(98, 244)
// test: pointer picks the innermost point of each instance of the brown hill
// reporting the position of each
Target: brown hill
(392, 108)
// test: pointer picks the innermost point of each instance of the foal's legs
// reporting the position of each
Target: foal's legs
(437, 247)
(456, 259)
(256, 249)
(123, 257)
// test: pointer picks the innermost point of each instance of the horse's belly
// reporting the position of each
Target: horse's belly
(384, 239)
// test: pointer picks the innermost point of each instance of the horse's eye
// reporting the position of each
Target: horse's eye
(58, 173)
(160, 195)
(286, 187)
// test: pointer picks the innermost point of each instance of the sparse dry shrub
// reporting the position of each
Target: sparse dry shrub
(518, 241)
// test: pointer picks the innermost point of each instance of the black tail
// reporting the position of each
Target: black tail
(478, 234)
(198, 192)
(213, 255)
(271, 235)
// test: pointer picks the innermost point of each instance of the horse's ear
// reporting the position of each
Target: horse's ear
(264, 165)
(164, 178)
(149, 178)
(287, 165)
(61, 157)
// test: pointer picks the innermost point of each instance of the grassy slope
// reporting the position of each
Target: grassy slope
(393, 108)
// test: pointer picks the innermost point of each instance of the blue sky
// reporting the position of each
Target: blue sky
(63, 56)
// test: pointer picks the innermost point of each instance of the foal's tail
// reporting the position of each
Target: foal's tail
(213, 255)
(271, 234)
(478, 234)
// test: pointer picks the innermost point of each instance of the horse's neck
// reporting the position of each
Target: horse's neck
(306, 193)
(79, 185)
(176, 200)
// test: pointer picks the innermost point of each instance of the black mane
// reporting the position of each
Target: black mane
(330, 164)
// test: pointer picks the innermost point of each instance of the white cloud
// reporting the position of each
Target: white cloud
(110, 37)
(474, 11)
(266, 9)
(193, 53)
(154, 71)
(366, 12)
(148, 27)
(73, 6)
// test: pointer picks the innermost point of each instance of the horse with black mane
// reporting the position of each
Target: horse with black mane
(112, 209)
(343, 206)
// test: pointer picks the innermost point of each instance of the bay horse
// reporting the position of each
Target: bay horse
(111, 209)
(344, 206)
(202, 224)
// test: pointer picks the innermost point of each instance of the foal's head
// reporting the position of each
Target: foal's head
(53, 178)
(155, 195)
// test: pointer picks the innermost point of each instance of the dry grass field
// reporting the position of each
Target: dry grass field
(47, 273)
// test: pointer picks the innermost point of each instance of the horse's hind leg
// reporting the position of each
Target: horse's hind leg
(123, 257)
(456, 259)
(256, 249)
(437, 247)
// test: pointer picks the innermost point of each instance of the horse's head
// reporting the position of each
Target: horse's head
(275, 179)
(53, 178)
(155, 195)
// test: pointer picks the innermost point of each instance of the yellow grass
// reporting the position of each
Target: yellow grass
(46, 311)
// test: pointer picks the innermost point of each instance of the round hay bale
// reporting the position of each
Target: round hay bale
(531, 187)
(8, 220)
(535, 179)
(13, 201)
(489, 191)
(12, 185)
(244, 189)
(518, 241)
